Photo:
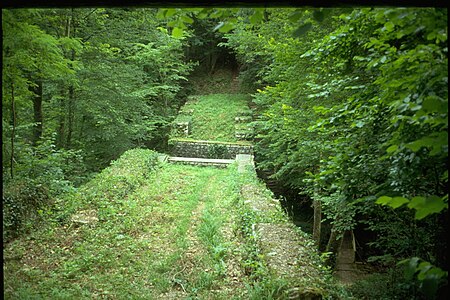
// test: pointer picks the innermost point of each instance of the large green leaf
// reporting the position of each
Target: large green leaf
(436, 141)
(435, 104)
(393, 202)
(425, 206)
(225, 27)
(177, 32)
(257, 17)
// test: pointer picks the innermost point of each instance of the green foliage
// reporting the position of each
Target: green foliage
(29, 52)
(351, 104)
(105, 89)
(429, 277)
(424, 206)
(390, 285)
(23, 203)
(45, 164)
(399, 282)
(42, 173)
(217, 151)
(204, 83)
(354, 109)
(267, 288)
(140, 72)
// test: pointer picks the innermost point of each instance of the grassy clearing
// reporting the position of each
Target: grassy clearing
(213, 116)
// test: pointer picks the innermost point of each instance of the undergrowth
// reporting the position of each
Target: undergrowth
(204, 83)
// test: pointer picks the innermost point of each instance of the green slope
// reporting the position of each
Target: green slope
(212, 117)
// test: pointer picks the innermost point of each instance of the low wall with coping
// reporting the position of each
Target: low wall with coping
(208, 149)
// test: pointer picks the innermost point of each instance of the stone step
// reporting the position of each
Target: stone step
(201, 161)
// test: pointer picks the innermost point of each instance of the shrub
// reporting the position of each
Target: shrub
(22, 202)
(389, 285)
(108, 189)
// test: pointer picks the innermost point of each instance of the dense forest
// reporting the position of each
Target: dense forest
(349, 109)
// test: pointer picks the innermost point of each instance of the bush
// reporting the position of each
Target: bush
(389, 285)
(107, 190)
(22, 202)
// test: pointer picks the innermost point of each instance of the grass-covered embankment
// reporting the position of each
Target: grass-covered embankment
(155, 231)
(212, 117)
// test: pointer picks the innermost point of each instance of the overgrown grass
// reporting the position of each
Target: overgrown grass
(163, 232)
(137, 248)
(213, 116)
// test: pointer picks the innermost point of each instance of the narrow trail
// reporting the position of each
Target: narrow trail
(234, 88)
(190, 258)
(199, 267)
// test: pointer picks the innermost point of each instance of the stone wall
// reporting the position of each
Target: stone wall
(209, 162)
(206, 149)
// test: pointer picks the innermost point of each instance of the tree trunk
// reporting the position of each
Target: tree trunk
(62, 119)
(70, 113)
(71, 104)
(83, 120)
(214, 58)
(317, 221)
(37, 109)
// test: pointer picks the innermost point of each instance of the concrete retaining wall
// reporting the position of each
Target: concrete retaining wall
(207, 149)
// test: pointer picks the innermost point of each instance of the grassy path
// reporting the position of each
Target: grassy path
(173, 239)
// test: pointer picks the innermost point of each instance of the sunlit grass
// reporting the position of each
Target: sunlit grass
(177, 233)
(138, 252)
(213, 116)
